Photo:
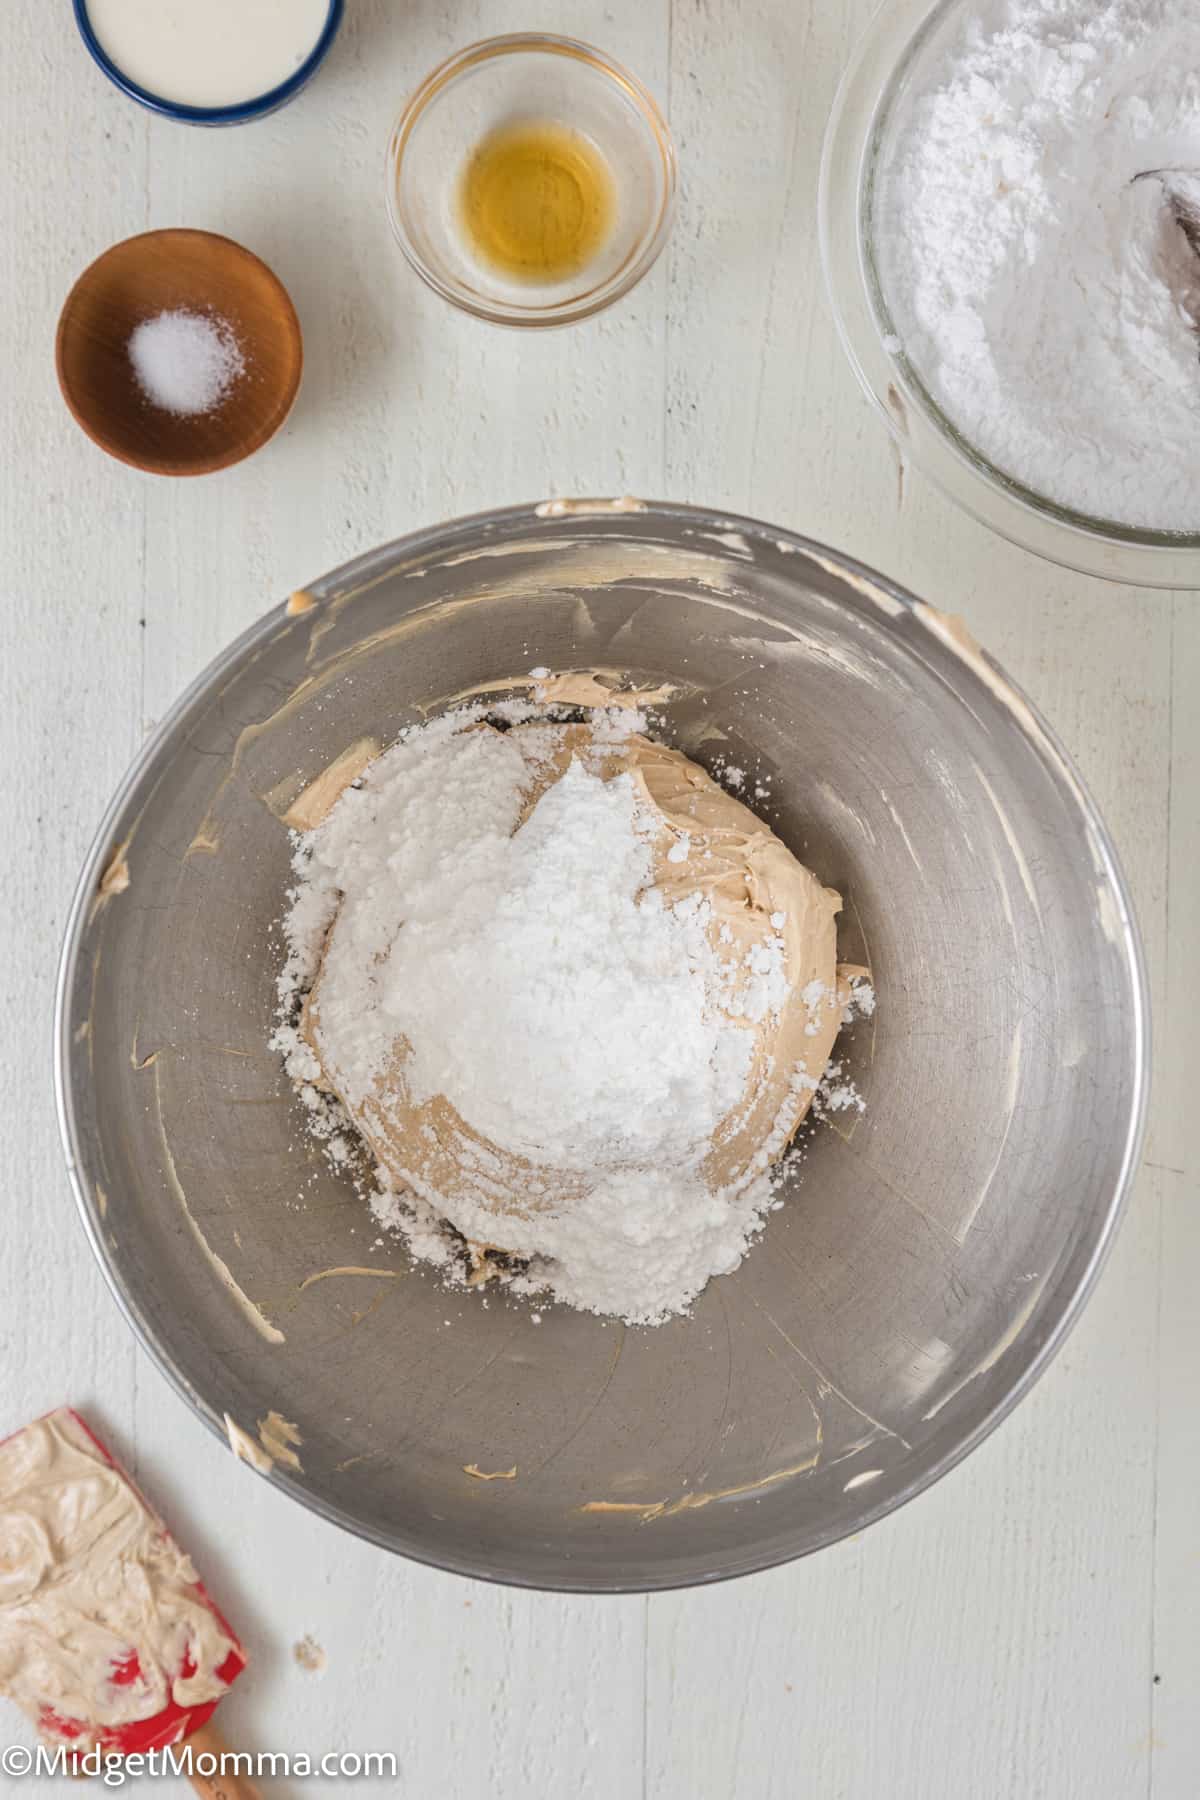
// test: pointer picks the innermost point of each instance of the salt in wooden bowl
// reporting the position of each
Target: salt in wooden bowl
(196, 272)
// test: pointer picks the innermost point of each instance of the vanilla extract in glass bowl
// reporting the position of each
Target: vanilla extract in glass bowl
(531, 180)
(537, 201)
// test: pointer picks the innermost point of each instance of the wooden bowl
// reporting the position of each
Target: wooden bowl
(157, 272)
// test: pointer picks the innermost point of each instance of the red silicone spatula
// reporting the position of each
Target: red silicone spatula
(107, 1636)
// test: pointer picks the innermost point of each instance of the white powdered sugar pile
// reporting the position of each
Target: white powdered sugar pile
(539, 982)
(1047, 298)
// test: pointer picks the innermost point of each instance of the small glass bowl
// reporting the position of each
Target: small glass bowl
(534, 76)
(886, 68)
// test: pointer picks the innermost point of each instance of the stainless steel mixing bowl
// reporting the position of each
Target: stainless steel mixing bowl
(930, 1255)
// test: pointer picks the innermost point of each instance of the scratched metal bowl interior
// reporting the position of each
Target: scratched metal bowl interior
(929, 1255)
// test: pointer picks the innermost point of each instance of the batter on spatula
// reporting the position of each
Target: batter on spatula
(576, 997)
(107, 1637)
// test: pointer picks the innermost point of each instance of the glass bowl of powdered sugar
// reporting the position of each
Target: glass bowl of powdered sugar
(1013, 270)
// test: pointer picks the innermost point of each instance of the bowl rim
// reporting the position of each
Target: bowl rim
(593, 300)
(560, 518)
(207, 465)
(1106, 549)
(241, 113)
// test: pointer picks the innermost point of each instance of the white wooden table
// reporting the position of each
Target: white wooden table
(1031, 1627)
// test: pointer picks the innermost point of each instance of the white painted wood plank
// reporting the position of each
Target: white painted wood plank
(1173, 1150)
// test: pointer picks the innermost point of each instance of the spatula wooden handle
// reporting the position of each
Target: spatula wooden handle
(208, 1741)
